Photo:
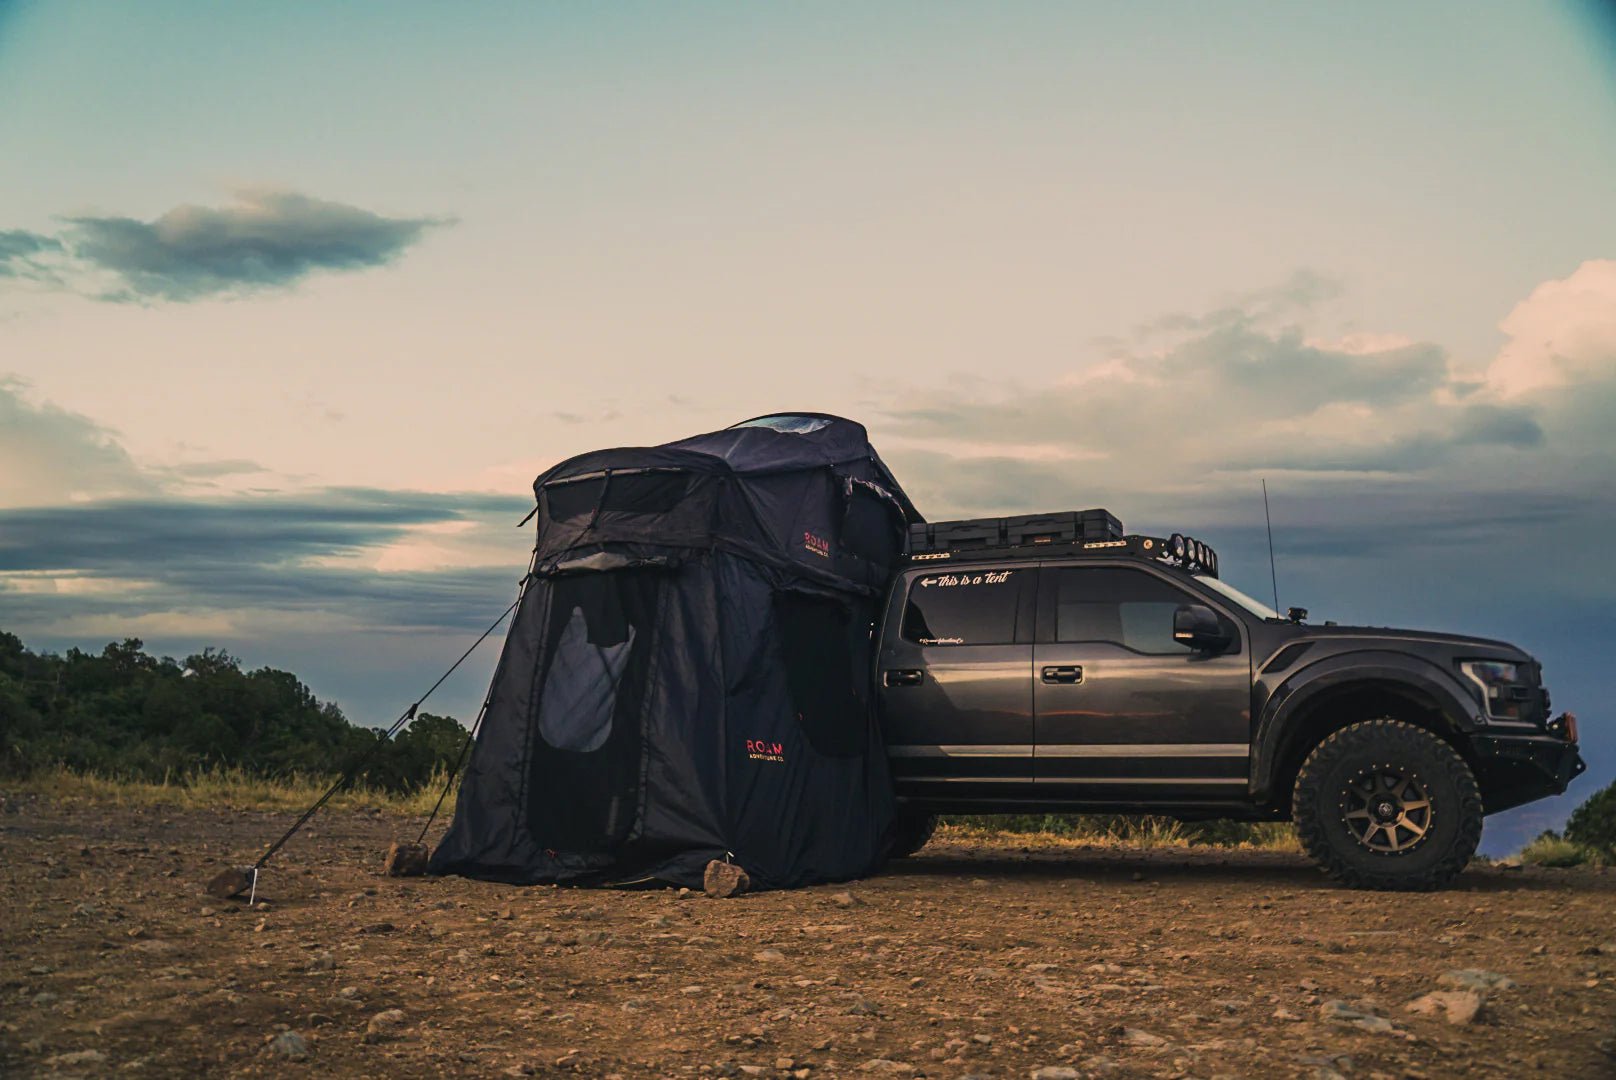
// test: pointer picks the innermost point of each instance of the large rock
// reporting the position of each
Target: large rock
(405, 860)
(231, 881)
(724, 879)
(1459, 1007)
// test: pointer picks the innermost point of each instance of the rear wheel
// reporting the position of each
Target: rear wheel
(910, 832)
(1387, 805)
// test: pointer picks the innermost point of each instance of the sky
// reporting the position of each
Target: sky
(296, 300)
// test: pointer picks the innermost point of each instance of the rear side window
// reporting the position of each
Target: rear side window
(976, 607)
(1124, 607)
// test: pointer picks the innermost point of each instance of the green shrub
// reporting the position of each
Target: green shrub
(1552, 849)
(127, 715)
(1594, 822)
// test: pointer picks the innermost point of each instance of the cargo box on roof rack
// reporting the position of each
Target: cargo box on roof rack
(1024, 530)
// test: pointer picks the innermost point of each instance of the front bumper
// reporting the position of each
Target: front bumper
(1516, 769)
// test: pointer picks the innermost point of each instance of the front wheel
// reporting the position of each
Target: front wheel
(1387, 805)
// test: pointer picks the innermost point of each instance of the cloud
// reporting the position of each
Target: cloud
(90, 537)
(50, 455)
(265, 239)
(1233, 398)
(25, 255)
(1562, 335)
(314, 553)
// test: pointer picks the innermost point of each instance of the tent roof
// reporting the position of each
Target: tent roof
(778, 442)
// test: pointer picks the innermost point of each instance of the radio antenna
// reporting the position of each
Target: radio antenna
(1273, 574)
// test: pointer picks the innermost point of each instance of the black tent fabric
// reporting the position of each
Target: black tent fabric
(686, 677)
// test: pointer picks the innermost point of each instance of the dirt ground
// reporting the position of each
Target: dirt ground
(975, 958)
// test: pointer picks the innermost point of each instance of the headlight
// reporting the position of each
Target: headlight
(1498, 682)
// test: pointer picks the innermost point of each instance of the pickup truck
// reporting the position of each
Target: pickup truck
(1050, 663)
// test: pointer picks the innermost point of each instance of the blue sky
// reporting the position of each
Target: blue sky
(295, 301)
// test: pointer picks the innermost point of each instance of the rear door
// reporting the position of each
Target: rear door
(1124, 712)
(954, 681)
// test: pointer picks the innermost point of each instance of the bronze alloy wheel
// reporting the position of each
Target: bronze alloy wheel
(1385, 804)
(1387, 810)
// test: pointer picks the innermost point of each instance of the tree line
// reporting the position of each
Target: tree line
(129, 714)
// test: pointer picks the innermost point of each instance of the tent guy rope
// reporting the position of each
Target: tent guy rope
(235, 880)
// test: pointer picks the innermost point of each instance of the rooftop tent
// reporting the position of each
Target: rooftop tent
(685, 676)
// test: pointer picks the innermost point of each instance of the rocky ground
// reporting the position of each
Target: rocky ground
(984, 958)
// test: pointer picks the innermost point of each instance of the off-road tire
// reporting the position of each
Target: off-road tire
(1320, 800)
(910, 832)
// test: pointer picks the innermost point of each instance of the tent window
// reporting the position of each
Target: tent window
(572, 498)
(589, 693)
(646, 492)
(575, 712)
(869, 529)
(820, 639)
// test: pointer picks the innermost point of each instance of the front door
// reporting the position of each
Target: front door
(1123, 711)
(954, 683)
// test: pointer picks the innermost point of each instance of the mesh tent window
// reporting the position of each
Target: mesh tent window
(872, 523)
(584, 785)
(642, 491)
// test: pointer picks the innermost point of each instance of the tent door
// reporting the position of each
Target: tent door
(584, 785)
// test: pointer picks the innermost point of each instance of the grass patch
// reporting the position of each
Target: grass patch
(1144, 831)
(223, 789)
(1552, 849)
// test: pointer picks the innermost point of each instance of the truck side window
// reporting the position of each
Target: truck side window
(1118, 605)
(975, 607)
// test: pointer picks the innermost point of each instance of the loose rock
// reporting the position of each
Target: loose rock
(77, 1057)
(288, 1044)
(724, 879)
(1476, 980)
(405, 860)
(231, 881)
(1341, 1013)
(888, 1066)
(384, 1025)
(1458, 1007)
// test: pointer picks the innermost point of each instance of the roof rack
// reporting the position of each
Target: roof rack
(1035, 536)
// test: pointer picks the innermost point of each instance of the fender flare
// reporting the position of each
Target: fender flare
(1413, 677)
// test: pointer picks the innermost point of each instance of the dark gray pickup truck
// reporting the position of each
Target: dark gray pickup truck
(1051, 663)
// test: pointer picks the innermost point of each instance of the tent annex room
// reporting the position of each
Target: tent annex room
(686, 674)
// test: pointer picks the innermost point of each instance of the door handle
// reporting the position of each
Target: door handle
(1072, 674)
(903, 677)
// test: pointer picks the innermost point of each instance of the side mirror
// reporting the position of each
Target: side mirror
(1199, 627)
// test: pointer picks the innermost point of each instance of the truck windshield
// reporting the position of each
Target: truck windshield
(1256, 607)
